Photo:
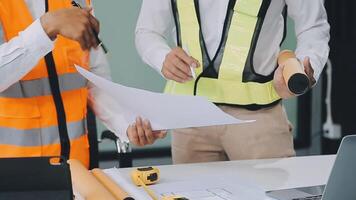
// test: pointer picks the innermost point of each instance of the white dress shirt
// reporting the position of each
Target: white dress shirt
(21, 54)
(156, 27)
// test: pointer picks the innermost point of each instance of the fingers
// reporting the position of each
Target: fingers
(160, 134)
(148, 132)
(180, 70)
(175, 69)
(92, 28)
(141, 134)
(73, 23)
(88, 9)
(306, 62)
(280, 85)
(90, 24)
(87, 40)
(171, 76)
(177, 66)
(92, 38)
(83, 43)
(182, 66)
(309, 71)
(279, 78)
(191, 62)
(94, 23)
(95, 26)
(133, 136)
(140, 131)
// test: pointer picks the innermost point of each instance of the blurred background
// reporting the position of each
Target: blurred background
(306, 113)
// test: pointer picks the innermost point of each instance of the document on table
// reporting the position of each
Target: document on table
(164, 111)
(213, 187)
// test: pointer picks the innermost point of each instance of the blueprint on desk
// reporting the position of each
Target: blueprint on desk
(198, 188)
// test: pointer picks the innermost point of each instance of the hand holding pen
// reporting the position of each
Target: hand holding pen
(72, 23)
(95, 31)
(179, 65)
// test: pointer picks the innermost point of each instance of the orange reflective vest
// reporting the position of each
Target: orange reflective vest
(28, 118)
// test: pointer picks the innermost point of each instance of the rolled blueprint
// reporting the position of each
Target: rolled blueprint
(293, 73)
(86, 184)
(110, 185)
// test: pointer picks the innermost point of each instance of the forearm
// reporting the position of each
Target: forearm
(153, 31)
(312, 30)
(21, 54)
(152, 48)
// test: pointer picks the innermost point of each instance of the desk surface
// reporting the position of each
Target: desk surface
(270, 174)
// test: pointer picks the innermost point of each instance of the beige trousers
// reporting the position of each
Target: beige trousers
(269, 137)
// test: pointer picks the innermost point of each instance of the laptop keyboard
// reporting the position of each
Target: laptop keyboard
(318, 197)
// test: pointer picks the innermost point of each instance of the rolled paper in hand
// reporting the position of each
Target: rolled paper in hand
(293, 73)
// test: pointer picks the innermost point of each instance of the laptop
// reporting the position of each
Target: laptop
(341, 184)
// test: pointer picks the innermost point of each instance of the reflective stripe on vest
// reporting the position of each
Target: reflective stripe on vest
(39, 137)
(40, 87)
(244, 21)
(28, 118)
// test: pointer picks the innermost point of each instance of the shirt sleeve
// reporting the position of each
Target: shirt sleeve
(312, 30)
(154, 27)
(103, 104)
(22, 53)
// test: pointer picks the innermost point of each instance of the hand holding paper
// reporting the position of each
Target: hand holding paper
(140, 133)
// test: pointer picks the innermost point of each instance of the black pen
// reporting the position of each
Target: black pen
(100, 43)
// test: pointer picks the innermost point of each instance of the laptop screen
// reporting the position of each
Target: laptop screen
(342, 181)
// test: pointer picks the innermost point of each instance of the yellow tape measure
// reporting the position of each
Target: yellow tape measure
(149, 176)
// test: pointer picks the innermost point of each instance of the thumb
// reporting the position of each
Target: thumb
(306, 62)
(196, 63)
(161, 134)
(279, 72)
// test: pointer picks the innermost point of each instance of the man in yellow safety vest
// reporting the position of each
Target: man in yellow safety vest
(232, 45)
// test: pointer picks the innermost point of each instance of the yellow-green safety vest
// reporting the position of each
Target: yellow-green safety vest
(236, 82)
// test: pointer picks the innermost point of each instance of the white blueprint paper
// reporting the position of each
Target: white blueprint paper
(212, 188)
(224, 187)
(164, 111)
